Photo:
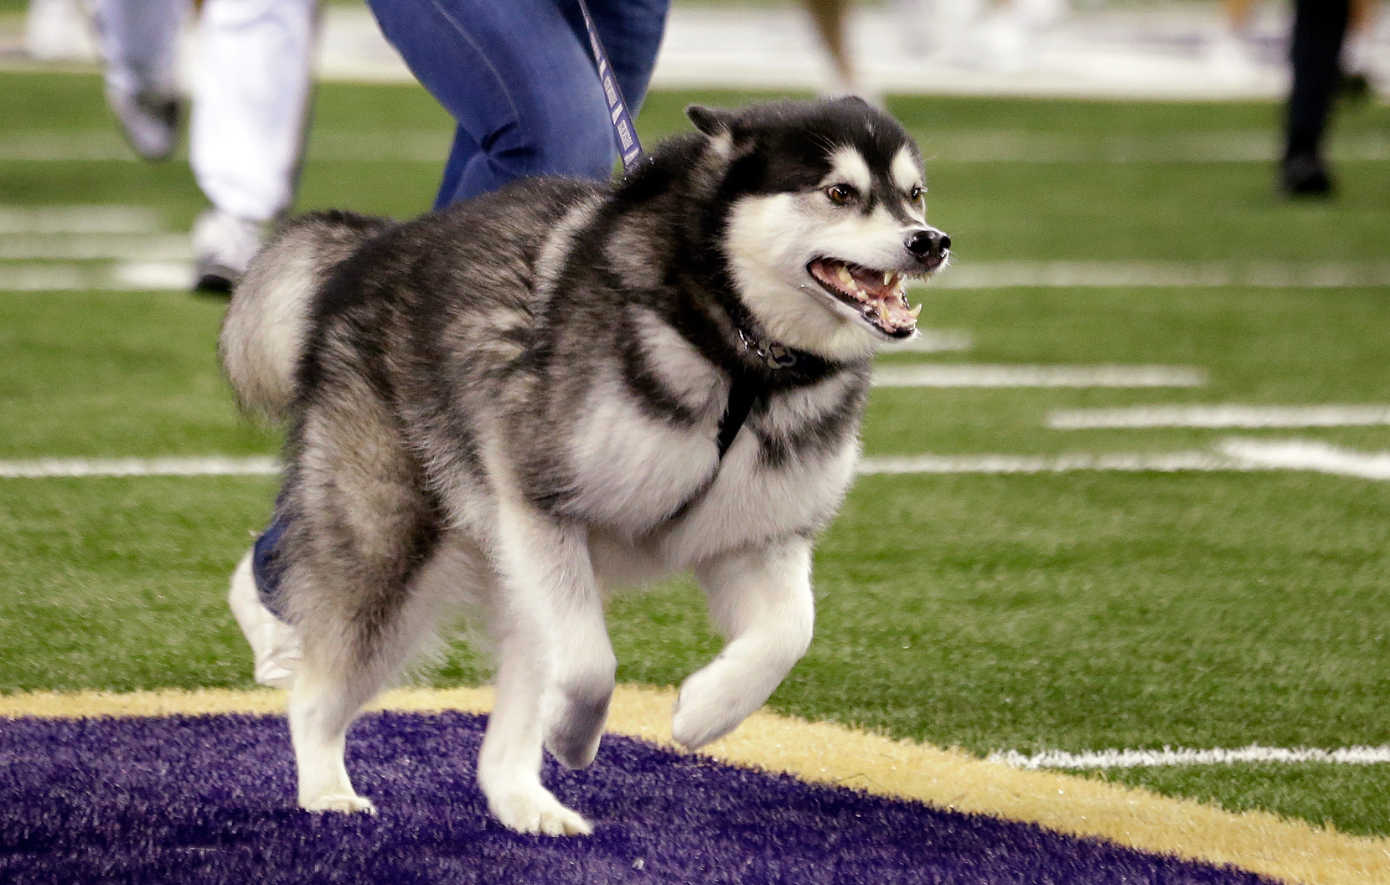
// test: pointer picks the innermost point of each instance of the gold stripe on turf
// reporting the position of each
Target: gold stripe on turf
(1293, 851)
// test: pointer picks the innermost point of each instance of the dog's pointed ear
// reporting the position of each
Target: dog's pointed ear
(710, 121)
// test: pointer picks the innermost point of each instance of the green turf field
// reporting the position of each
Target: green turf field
(1074, 611)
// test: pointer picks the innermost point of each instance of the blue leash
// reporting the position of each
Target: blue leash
(629, 148)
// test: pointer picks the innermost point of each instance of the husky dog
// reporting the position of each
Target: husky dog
(565, 386)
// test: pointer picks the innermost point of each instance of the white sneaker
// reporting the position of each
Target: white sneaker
(223, 246)
(149, 120)
(274, 644)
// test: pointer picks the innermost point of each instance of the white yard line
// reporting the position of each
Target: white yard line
(105, 146)
(98, 145)
(1162, 275)
(1236, 455)
(984, 375)
(981, 146)
(1219, 417)
(980, 275)
(96, 246)
(933, 341)
(117, 277)
(1301, 454)
(1227, 455)
(100, 219)
(49, 278)
(1219, 146)
(1174, 757)
(1157, 462)
(43, 468)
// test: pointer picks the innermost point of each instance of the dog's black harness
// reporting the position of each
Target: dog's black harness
(778, 367)
(784, 367)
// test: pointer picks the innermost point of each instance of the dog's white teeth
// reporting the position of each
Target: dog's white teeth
(887, 278)
(915, 311)
(845, 276)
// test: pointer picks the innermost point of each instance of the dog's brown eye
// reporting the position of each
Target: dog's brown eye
(840, 194)
(915, 195)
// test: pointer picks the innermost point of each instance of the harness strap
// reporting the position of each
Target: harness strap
(744, 392)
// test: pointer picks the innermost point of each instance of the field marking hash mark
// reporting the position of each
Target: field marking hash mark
(1222, 417)
(1170, 757)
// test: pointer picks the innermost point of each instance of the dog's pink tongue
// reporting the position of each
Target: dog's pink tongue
(872, 283)
(825, 272)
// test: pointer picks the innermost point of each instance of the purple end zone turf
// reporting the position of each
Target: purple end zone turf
(210, 799)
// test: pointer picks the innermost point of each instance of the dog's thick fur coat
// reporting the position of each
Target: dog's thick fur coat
(518, 402)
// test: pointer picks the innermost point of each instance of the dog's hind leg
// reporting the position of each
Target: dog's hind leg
(761, 601)
(323, 702)
(556, 673)
(345, 667)
(384, 608)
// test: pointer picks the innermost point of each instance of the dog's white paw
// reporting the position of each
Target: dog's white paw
(705, 711)
(344, 803)
(536, 810)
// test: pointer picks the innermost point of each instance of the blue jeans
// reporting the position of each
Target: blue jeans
(518, 78)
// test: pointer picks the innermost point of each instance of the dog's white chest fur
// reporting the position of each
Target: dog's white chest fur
(751, 502)
(634, 471)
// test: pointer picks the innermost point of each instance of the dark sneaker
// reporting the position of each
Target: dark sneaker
(223, 246)
(149, 120)
(1304, 175)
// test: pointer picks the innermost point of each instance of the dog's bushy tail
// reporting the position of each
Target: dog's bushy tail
(266, 327)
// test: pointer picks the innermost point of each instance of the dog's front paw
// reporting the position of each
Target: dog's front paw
(705, 712)
(536, 810)
(344, 803)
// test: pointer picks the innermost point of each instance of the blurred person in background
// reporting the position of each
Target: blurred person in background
(1232, 55)
(1000, 36)
(1315, 51)
(251, 91)
(1357, 51)
(56, 31)
(829, 17)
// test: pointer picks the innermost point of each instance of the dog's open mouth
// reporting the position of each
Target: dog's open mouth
(877, 295)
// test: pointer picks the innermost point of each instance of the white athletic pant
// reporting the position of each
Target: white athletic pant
(250, 88)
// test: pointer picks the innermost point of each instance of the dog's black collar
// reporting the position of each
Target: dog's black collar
(775, 356)
(782, 367)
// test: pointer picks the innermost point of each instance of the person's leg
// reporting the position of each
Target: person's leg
(139, 44)
(1319, 28)
(250, 103)
(829, 18)
(250, 100)
(516, 80)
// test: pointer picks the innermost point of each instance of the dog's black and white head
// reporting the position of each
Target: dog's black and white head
(826, 221)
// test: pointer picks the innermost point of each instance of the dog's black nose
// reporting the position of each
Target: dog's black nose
(928, 243)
